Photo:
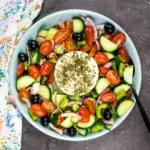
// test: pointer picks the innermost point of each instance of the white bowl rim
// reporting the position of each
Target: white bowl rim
(67, 138)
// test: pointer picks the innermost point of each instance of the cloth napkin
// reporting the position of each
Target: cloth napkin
(16, 17)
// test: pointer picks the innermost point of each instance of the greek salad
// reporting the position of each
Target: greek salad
(40, 80)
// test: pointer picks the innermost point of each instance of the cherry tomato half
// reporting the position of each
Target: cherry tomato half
(93, 50)
(34, 71)
(69, 25)
(48, 106)
(84, 113)
(59, 120)
(103, 71)
(124, 54)
(108, 97)
(37, 110)
(101, 58)
(113, 77)
(119, 39)
(85, 48)
(20, 69)
(90, 104)
(24, 93)
(51, 77)
(62, 35)
(89, 34)
(46, 68)
(46, 47)
(69, 45)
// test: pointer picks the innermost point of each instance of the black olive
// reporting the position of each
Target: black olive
(32, 44)
(77, 36)
(35, 99)
(107, 114)
(23, 57)
(71, 131)
(45, 120)
(109, 28)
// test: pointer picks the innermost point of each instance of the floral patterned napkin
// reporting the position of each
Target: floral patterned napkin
(16, 16)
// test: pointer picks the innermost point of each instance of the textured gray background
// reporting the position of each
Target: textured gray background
(134, 17)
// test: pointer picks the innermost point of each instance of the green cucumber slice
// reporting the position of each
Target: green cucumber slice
(101, 85)
(121, 69)
(75, 97)
(82, 132)
(59, 49)
(67, 123)
(98, 126)
(110, 55)
(51, 32)
(79, 43)
(124, 107)
(24, 82)
(75, 107)
(78, 25)
(45, 92)
(108, 45)
(121, 87)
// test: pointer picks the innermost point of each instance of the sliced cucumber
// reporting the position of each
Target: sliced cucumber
(82, 132)
(24, 82)
(63, 103)
(67, 123)
(124, 107)
(39, 79)
(33, 117)
(94, 94)
(110, 55)
(35, 57)
(121, 87)
(78, 25)
(51, 32)
(118, 59)
(98, 126)
(59, 49)
(26, 64)
(45, 91)
(121, 69)
(75, 119)
(81, 42)
(75, 107)
(54, 118)
(101, 85)
(100, 108)
(88, 124)
(121, 94)
(108, 45)
(42, 36)
(128, 74)
(75, 97)
(57, 98)
(114, 65)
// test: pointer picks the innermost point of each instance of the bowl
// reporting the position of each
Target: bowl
(51, 20)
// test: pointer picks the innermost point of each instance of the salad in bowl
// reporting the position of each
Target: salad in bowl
(75, 77)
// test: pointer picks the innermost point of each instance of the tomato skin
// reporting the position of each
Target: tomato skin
(113, 77)
(69, 45)
(37, 110)
(46, 68)
(93, 50)
(60, 120)
(24, 93)
(89, 34)
(90, 105)
(124, 54)
(108, 97)
(103, 71)
(46, 47)
(20, 69)
(51, 77)
(85, 48)
(101, 58)
(84, 113)
(34, 71)
(48, 106)
(119, 39)
(61, 35)
(69, 25)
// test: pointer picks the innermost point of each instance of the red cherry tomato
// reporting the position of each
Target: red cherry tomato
(90, 104)
(119, 39)
(46, 47)
(62, 35)
(108, 97)
(103, 71)
(69, 25)
(89, 34)
(20, 69)
(93, 50)
(37, 110)
(48, 106)
(113, 77)
(124, 54)
(51, 77)
(46, 68)
(85, 48)
(24, 93)
(69, 45)
(34, 71)
(101, 58)
(84, 113)
(60, 120)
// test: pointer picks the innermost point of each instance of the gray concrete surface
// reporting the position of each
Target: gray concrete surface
(134, 17)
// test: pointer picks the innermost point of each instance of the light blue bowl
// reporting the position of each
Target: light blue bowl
(47, 22)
